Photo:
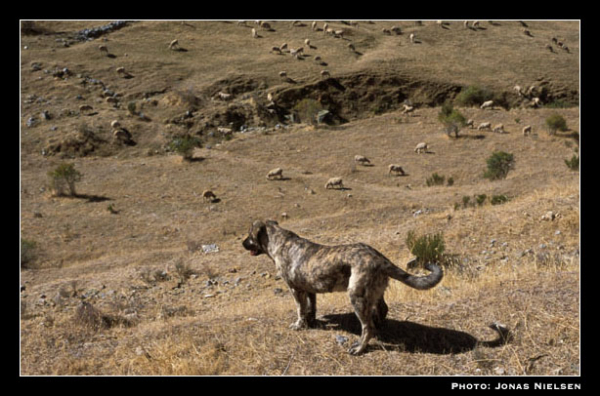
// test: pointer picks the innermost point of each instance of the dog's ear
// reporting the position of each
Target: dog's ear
(256, 228)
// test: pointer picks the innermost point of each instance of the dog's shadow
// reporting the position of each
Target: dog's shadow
(405, 336)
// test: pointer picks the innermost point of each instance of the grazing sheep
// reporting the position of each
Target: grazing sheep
(325, 74)
(475, 24)
(549, 48)
(115, 124)
(313, 25)
(421, 148)
(122, 135)
(395, 168)
(277, 172)
(408, 109)
(412, 37)
(550, 216)
(276, 49)
(318, 58)
(535, 102)
(223, 96)
(254, 33)
(103, 48)
(209, 195)
(307, 42)
(518, 89)
(283, 46)
(362, 159)
(325, 26)
(225, 131)
(485, 125)
(486, 104)
(526, 130)
(466, 24)
(265, 25)
(499, 128)
(85, 108)
(282, 74)
(270, 97)
(334, 182)
(123, 73)
(173, 45)
(396, 30)
(386, 31)
(527, 33)
(351, 47)
(338, 33)
(470, 123)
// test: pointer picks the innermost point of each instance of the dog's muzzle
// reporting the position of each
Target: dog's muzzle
(251, 246)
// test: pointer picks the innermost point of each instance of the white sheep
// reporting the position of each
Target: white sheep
(421, 148)
(485, 125)
(85, 108)
(225, 131)
(412, 37)
(277, 172)
(282, 74)
(325, 74)
(535, 102)
(307, 42)
(254, 33)
(466, 24)
(209, 195)
(518, 89)
(325, 26)
(499, 128)
(475, 24)
(313, 25)
(526, 130)
(115, 124)
(283, 46)
(223, 96)
(122, 135)
(470, 123)
(334, 182)
(265, 25)
(103, 48)
(408, 109)
(173, 45)
(396, 30)
(338, 33)
(486, 104)
(362, 159)
(395, 168)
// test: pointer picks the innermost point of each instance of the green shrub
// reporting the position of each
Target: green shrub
(28, 252)
(450, 181)
(498, 199)
(472, 96)
(555, 123)
(480, 199)
(465, 200)
(573, 163)
(498, 165)
(62, 177)
(307, 109)
(452, 119)
(435, 180)
(184, 146)
(426, 248)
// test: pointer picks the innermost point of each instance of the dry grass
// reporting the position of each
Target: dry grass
(159, 305)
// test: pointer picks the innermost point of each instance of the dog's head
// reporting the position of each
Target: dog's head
(258, 239)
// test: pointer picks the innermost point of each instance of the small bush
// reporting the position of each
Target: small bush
(472, 96)
(480, 199)
(64, 177)
(498, 199)
(450, 181)
(573, 163)
(185, 146)
(307, 109)
(498, 165)
(555, 123)
(426, 248)
(465, 200)
(452, 119)
(435, 180)
(28, 252)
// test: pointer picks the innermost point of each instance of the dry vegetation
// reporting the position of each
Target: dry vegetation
(116, 279)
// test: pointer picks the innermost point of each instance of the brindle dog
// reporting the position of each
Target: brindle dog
(309, 268)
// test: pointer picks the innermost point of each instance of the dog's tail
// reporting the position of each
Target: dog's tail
(417, 282)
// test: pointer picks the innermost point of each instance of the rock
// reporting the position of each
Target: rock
(211, 248)
(340, 339)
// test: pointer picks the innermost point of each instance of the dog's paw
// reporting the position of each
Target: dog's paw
(299, 325)
(356, 349)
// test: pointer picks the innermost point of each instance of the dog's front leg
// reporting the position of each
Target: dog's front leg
(302, 305)
(312, 308)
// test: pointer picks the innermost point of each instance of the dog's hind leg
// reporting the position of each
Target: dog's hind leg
(311, 315)
(380, 312)
(364, 312)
